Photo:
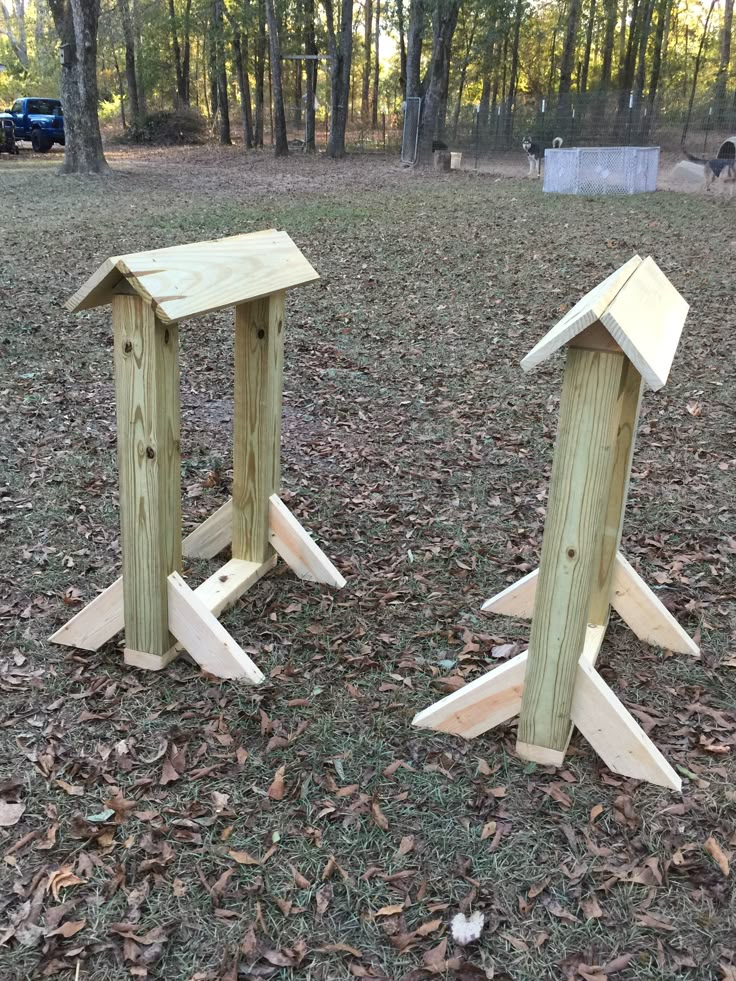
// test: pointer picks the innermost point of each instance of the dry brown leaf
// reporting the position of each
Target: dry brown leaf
(63, 878)
(406, 845)
(654, 922)
(339, 949)
(388, 911)
(379, 818)
(72, 789)
(595, 812)
(244, 858)
(277, 789)
(591, 908)
(68, 929)
(300, 881)
(718, 855)
(489, 828)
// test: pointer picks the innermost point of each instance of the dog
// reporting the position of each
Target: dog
(7, 137)
(714, 169)
(535, 152)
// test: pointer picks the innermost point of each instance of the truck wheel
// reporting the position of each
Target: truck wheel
(39, 141)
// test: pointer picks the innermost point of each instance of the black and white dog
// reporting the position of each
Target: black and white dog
(535, 152)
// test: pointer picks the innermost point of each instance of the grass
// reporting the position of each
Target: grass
(419, 454)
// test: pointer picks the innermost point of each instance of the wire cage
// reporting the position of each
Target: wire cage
(601, 170)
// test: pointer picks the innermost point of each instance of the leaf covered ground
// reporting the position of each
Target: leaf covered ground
(167, 826)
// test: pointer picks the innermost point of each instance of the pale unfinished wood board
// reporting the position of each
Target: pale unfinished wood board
(614, 733)
(516, 600)
(585, 312)
(259, 358)
(147, 396)
(227, 585)
(98, 622)
(187, 280)
(210, 537)
(640, 608)
(204, 637)
(297, 547)
(581, 473)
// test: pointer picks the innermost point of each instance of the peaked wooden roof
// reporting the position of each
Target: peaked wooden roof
(187, 280)
(640, 309)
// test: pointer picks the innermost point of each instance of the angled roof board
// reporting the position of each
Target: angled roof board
(187, 280)
(641, 310)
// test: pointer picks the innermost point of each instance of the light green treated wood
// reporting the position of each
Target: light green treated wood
(259, 360)
(605, 563)
(583, 459)
(147, 395)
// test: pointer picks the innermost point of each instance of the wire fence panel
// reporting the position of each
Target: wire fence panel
(410, 139)
(601, 170)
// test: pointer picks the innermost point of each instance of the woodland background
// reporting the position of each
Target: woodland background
(587, 69)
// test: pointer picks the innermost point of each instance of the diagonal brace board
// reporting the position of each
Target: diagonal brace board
(636, 604)
(286, 534)
(607, 725)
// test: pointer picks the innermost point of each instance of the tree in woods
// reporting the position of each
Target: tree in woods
(76, 26)
(218, 66)
(181, 51)
(340, 41)
(13, 24)
(131, 78)
(417, 17)
(367, 42)
(260, 72)
(444, 23)
(310, 49)
(280, 144)
(724, 63)
(568, 56)
(696, 69)
(240, 55)
(376, 67)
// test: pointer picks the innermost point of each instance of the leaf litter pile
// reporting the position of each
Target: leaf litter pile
(169, 826)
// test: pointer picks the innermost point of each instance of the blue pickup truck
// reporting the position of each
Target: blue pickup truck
(39, 120)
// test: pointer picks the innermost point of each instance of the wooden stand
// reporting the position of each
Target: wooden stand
(614, 342)
(151, 602)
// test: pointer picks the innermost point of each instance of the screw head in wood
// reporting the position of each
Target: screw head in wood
(261, 334)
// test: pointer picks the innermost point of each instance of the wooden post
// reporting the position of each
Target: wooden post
(605, 563)
(147, 395)
(259, 355)
(590, 407)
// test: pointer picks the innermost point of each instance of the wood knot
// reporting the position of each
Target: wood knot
(150, 452)
(127, 347)
(571, 553)
(166, 336)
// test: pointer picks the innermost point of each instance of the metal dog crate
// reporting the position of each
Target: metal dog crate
(601, 170)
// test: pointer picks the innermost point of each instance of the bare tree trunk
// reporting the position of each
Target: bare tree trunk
(724, 63)
(260, 70)
(696, 70)
(139, 57)
(218, 42)
(175, 45)
(76, 25)
(663, 12)
(568, 55)
(376, 67)
(310, 49)
(240, 50)
(445, 22)
(367, 40)
(469, 40)
(341, 52)
(130, 73)
(16, 34)
(414, 48)
(402, 47)
(609, 36)
(121, 89)
(281, 143)
(588, 47)
(514, 75)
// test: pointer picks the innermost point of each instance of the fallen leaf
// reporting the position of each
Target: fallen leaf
(388, 911)
(379, 818)
(244, 858)
(68, 929)
(654, 922)
(277, 789)
(591, 908)
(718, 855)
(72, 789)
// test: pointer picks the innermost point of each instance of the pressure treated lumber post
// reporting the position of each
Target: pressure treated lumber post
(259, 357)
(147, 396)
(590, 407)
(605, 562)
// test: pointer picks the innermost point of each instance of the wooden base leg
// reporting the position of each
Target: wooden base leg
(636, 604)
(150, 662)
(516, 600)
(97, 623)
(645, 613)
(614, 733)
(204, 637)
(214, 534)
(297, 548)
